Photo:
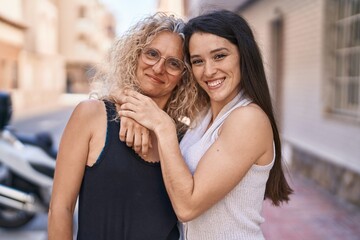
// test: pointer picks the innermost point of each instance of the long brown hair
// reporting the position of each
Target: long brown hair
(234, 28)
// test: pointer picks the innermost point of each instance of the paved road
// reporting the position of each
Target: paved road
(53, 120)
(35, 230)
(312, 214)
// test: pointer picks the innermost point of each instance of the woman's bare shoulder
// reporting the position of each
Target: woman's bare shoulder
(88, 111)
(89, 108)
(250, 113)
(250, 118)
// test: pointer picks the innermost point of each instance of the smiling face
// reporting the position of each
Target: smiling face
(154, 80)
(216, 66)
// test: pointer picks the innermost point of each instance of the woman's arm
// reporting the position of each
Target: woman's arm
(70, 164)
(245, 139)
(135, 135)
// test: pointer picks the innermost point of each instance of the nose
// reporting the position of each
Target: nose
(159, 67)
(209, 69)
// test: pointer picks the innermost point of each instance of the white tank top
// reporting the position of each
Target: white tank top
(238, 214)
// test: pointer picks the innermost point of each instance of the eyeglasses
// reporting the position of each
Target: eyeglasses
(173, 66)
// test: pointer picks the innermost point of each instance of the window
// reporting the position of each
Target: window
(82, 12)
(14, 75)
(2, 73)
(345, 80)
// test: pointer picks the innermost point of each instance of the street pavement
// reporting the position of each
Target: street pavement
(312, 213)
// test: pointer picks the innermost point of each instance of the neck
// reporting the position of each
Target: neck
(217, 106)
(215, 109)
(160, 102)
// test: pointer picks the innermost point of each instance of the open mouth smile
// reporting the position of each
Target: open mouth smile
(215, 83)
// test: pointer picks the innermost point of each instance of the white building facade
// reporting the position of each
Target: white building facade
(87, 29)
(30, 65)
(311, 51)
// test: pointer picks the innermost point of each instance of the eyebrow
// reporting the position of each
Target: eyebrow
(154, 48)
(212, 51)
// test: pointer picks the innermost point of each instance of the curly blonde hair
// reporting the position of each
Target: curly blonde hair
(119, 69)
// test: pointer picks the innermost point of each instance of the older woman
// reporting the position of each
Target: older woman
(122, 196)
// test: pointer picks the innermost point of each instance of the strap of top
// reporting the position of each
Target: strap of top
(110, 110)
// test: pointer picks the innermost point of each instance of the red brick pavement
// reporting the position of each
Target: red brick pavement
(311, 214)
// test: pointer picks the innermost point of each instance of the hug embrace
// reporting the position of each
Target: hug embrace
(139, 171)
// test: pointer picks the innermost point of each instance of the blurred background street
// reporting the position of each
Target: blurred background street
(50, 50)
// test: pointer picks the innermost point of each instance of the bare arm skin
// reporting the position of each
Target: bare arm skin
(81, 144)
(135, 136)
(223, 165)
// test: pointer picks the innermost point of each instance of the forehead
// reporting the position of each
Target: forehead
(197, 40)
(168, 44)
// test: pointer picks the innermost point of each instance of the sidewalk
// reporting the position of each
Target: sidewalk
(312, 214)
